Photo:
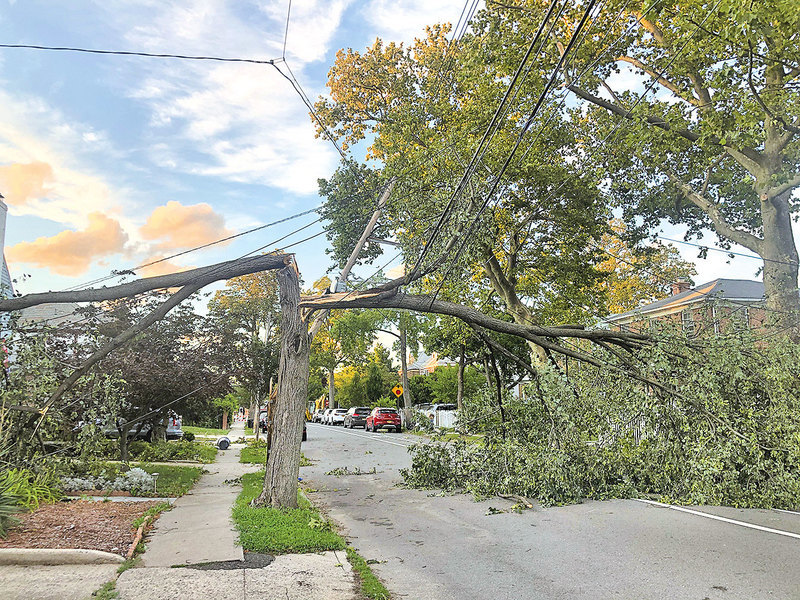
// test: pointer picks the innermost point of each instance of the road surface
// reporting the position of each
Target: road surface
(432, 546)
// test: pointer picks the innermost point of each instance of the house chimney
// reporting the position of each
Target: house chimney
(680, 285)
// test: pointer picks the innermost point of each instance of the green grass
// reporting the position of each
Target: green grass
(371, 586)
(253, 455)
(204, 430)
(155, 510)
(107, 592)
(259, 456)
(297, 530)
(281, 531)
(173, 480)
(248, 431)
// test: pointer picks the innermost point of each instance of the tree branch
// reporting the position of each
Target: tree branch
(683, 94)
(776, 191)
(712, 210)
(195, 277)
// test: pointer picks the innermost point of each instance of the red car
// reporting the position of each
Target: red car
(383, 417)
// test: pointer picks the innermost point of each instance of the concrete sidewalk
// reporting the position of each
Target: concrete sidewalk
(199, 528)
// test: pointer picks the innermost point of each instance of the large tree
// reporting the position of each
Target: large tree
(711, 136)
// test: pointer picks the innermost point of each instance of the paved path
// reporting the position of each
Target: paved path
(199, 527)
(441, 547)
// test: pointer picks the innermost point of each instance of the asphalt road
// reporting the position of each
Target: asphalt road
(432, 546)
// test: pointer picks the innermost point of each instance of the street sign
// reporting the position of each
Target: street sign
(397, 390)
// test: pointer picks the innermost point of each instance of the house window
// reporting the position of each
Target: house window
(687, 321)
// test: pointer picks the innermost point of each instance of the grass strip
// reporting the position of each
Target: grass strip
(371, 586)
(297, 530)
(281, 531)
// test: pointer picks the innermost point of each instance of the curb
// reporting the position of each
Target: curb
(57, 556)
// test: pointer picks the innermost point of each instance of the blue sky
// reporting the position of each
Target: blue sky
(108, 162)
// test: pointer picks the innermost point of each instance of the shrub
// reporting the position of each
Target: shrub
(188, 436)
(135, 481)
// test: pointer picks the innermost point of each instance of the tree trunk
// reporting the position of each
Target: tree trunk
(460, 390)
(225, 419)
(331, 389)
(123, 444)
(780, 278)
(283, 461)
(404, 376)
(159, 433)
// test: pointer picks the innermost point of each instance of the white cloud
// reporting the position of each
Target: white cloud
(241, 122)
(404, 20)
(33, 132)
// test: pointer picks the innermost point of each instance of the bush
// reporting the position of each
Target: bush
(166, 451)
(135, 481)
(188, 436)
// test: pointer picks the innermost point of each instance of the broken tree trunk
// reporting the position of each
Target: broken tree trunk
(283, 462)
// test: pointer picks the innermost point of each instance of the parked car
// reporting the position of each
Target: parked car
(317, 416)
(174, 430)
(325, 416)
(356, 417)
(337, 416)
(381, 418)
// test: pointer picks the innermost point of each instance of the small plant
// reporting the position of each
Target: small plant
(31, 488)
(10, 505)
(188, 436)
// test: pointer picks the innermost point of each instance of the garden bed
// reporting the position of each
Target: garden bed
(106, 526)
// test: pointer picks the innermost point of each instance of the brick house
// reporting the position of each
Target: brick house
(712, 307)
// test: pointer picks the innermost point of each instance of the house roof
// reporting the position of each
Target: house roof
(50, 314)
(741, 290)
(425, 362)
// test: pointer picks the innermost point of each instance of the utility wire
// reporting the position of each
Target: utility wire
(254, 61)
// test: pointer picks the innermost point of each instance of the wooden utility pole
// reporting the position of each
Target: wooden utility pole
(283, 460)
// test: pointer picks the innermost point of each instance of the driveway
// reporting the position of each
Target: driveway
(434, 546)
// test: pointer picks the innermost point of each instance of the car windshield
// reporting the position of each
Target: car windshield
(340, 411)
(447, 407)
(387, 411)
(362, 411)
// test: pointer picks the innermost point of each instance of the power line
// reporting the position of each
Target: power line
(471, 165)
(730, 252)
(539, 102)
(254, 61)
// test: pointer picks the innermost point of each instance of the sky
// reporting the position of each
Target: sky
(110, 162)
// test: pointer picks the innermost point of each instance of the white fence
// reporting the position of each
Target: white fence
(445, 419)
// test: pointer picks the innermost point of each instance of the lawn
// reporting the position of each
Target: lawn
(298, 530)
(173, 480)
(204, 430)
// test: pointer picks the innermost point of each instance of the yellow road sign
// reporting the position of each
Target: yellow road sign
(397, 390)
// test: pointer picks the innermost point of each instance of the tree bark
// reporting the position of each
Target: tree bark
(283, 461)
(781, 260)
(460, 380)
(404, 374)
(331, 389)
